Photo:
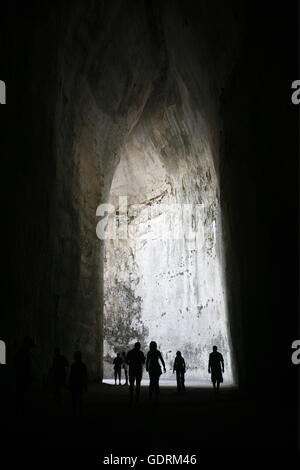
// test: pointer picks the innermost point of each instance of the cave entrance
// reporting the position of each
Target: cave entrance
(163, 268)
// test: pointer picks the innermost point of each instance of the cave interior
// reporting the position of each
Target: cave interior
(165, 103)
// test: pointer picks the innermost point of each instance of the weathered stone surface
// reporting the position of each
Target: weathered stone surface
(165, 280)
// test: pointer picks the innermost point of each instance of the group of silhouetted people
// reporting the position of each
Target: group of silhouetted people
(57, 379)
(132, 363)
(135, 359)
(78, 379)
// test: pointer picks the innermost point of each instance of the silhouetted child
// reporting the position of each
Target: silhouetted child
(117, 368)
(179, 368)
(216, 367)
(24, 373)
(125, 367)
(78, 383)
(58, 374)
(135, 358)
(153, 367)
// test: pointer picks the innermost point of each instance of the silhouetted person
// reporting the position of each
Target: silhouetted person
(215, 368)
(179, 368)
(117, 368)
(24, 373)
(58, 374)
(78, 383)
(135, 359)
(125, 367)
(154, 368)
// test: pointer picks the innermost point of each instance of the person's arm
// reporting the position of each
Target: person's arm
(222, 362)
(209, 365)
(183, 361)
(147, 362)
(162, 361)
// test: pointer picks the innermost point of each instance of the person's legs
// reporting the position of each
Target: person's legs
(131, 385)
(138, 388)
(178, 378)
(119, 376)
(126, 376)
(115, 376)
(57, 394)
(80, 402)
(182, 380)
(151, 386)
(156, 387)
(74, 402)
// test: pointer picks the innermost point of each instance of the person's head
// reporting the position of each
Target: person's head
(118, 354)
(123, 354)
(77, 356)
(56, 352)
(178, 354)
(215, 349)
(137, 346)
(153, 346)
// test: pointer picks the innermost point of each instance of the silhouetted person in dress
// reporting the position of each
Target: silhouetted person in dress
(135, 359)
(215, 368)
(153, 367)
(117, 368)
(125, 367)
(58, 374)
(179, 368)
(24, 373)
(78, 383)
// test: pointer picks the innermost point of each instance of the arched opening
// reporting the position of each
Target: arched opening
(163, 251)
(140, 117)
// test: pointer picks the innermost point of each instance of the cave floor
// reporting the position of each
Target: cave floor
(193, 421)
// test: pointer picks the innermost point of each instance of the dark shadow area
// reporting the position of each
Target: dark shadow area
(194, 421)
